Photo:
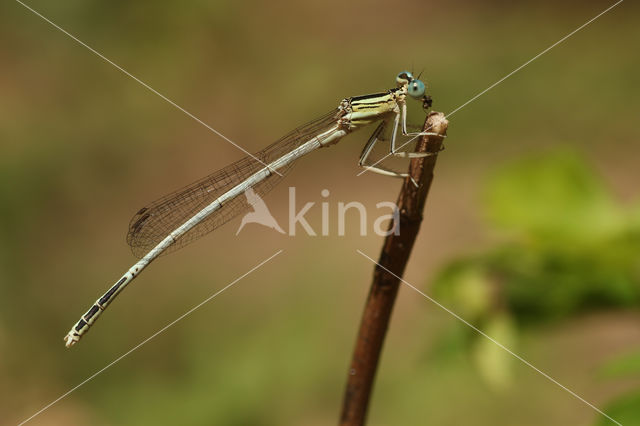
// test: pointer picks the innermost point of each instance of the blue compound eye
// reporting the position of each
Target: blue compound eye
(404, 77)
(416, 89)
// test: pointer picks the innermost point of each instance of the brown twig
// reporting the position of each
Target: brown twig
(394, 257)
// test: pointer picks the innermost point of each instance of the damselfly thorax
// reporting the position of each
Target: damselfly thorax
(367, 109)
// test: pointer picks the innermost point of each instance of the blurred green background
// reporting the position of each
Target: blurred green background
(532, 229)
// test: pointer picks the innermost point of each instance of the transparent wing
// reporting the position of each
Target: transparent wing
(151, 224)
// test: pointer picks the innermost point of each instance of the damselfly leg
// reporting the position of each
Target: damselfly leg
(377, 135)
(376, 168)
(407, 154)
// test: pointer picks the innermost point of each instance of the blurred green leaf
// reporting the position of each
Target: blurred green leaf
(553, 196)
(468, 288)
(625, 410)
(494, 363)
(572, 249)
(622, 366)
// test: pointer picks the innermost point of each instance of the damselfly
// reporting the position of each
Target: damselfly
(187, 214)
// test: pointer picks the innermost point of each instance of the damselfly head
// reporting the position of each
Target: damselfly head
(415, 87)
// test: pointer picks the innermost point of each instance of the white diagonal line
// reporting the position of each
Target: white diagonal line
(505, 77)
(152, 336)
(494, 341)
(145, 85)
